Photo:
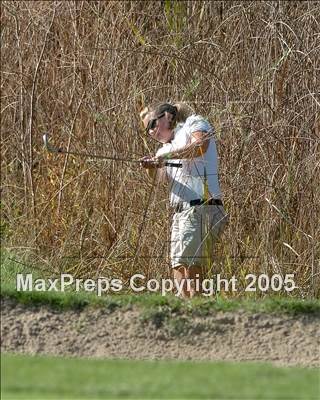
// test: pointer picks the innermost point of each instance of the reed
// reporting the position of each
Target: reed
(82, 71)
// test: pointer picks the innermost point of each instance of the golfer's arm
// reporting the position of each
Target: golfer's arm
(196, 148)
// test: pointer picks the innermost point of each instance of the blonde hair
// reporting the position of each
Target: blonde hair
(143, 113)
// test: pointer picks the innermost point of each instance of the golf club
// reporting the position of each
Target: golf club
(52, 149)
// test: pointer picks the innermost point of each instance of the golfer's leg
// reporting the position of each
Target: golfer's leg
(185, 246)
(180, 275)
(192, 277)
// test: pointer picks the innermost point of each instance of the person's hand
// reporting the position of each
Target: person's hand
(151, 162)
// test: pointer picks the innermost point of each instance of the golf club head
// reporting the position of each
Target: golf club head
(47, 144)
(45, 140)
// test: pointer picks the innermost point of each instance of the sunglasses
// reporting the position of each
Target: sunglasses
(153, 123)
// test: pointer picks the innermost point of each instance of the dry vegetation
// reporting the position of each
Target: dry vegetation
(82, 70)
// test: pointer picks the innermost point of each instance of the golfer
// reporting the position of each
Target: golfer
(199, 217)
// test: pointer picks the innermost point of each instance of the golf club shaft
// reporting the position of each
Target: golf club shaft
(101, 157)
(89, 155)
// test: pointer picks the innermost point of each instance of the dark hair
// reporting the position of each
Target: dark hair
(166, 107)
(179, 111)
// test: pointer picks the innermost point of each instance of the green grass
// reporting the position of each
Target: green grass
(150, 303)
(27, 377)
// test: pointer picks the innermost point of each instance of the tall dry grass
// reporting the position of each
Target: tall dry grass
(82, 70)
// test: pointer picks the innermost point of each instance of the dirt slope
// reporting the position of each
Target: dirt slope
(284, 340)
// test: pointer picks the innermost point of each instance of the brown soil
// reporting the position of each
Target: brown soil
(238, 336)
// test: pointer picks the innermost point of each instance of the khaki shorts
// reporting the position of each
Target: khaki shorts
(194, 233)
